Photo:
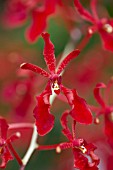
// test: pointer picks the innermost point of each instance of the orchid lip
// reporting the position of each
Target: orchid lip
(83, 149)
(55, 85)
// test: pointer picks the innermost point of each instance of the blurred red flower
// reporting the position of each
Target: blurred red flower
(18, 11)
(103, 26)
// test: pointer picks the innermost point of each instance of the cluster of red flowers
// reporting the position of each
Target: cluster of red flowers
(20, 93)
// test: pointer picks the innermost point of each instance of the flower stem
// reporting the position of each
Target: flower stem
(47, 147)
(33, 145)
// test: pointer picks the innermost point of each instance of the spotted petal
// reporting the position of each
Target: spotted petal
(69, 57)
(49, 53)
(34, 68)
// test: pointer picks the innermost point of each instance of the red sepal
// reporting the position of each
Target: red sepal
(48, 53)
(80, 110)
(83, 12)
(97, 94)
(34, 68)
(64, 122)
(38, 25)
(69, 57)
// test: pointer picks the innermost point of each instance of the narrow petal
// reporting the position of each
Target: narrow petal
(64, 122)
(93, 8)
(34, 68)
(3, 128)
(97, 94)
(80, 110)
(49, 53)
(44, 120)
(83, 12)
(106, 34)
(69, 57)
(38, 25)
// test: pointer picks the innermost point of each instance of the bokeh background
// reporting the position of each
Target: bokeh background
(92, 66)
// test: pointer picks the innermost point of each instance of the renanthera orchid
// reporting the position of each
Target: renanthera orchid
(5, 143)
(103, 26)
(82, 151)
(18, 11)
(80, 111)
(105, 109)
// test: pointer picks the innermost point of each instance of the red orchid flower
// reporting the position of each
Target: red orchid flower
(55, 75)
(80, 111)
(4, 142)
(103, 26)
(18, 11)
(105, 109)
(4, 151)
(81, 149)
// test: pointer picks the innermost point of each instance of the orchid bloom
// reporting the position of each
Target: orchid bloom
(55, 75)
(105, 109)
(103, 26)
(81, 149)
(4, 141)
(18, 11)
(80, 111)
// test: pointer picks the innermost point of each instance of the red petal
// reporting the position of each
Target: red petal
(38, 25)
(50, 6)
(93, 8)
(44, 120)
(109, 128)
(39, 17)
(49, 53)
(5, 157)
(80, 161)
(80, 110)
(97, 94)
(34, 68)
(3, 128)
(64, 63)
(107, 38)
(83, 12)
(64, 122)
